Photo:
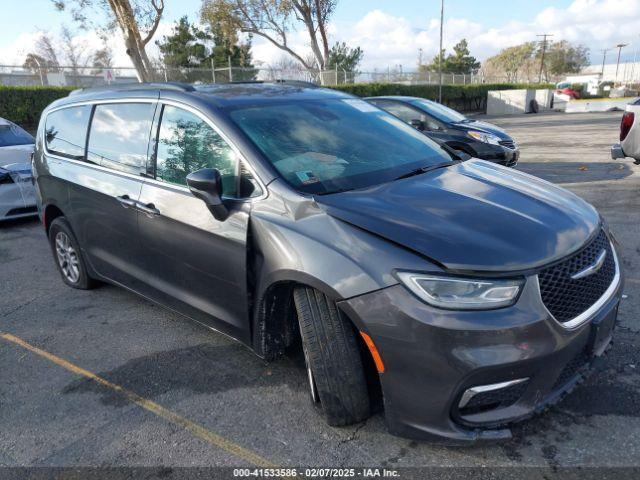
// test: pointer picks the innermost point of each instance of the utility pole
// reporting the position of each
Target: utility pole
(544, 49)
(620, 46)
(440, 51)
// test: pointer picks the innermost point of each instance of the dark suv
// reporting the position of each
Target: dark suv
(469, 294)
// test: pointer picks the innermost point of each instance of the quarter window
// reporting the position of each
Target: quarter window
(186, 143)
(119, 136)
(66, 131)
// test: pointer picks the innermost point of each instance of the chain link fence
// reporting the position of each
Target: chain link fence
(91, 77)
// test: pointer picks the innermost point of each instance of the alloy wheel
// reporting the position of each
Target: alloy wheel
(67, 257)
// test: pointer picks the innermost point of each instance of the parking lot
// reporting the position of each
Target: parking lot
(168, 392)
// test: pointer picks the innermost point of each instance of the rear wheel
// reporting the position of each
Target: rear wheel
(67, 255)
(335, 372)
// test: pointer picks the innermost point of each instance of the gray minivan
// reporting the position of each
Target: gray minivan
(464, 294)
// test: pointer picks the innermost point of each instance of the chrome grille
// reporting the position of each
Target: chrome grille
(566, 298)
(508, 143)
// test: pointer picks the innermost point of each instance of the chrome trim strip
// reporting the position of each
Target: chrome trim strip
(473, 391)
(591, 269)
(173, 103)
(589, 312)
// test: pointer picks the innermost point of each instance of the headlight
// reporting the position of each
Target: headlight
(462, 293)
(484, 137)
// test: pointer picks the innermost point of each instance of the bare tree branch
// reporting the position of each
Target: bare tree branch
(274, 19)
(159, 8)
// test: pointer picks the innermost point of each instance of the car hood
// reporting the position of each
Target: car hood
(483, 127)
(472, 216)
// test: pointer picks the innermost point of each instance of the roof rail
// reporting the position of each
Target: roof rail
(299, 83)
(177, 86)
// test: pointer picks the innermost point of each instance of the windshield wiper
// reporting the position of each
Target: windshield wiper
(455, 154)
(425, 169)
(339, 190)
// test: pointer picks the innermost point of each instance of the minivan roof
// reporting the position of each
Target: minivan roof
(397, 97)
(215, 95)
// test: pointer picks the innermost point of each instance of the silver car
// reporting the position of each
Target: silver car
(17, 194)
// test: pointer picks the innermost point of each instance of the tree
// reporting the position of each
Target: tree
(461, 61)
(44, 59)
(562, 57)
(434, 66)
(228, 47)
(274, 20)
(512, 62)
(102, 60)
(138, 21)
(75, 54)
(342, 57)
(186, 49)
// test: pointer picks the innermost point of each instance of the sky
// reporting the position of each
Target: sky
(389, 31)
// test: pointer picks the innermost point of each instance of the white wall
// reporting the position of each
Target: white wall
(629, 72)
(510, 102)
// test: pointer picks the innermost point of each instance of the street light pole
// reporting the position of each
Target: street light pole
(440, 51)
(620, 46)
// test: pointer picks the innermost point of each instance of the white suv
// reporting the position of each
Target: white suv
(629, 145)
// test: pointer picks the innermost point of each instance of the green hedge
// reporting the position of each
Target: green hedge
(466, 98)
(23, 105)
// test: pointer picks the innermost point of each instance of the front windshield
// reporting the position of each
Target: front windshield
(326, 146)
(442, 113)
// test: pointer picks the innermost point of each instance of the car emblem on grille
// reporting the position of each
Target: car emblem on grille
(591, 269)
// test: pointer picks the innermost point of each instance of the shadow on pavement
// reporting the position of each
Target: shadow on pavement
(19, 222)
(576, 172)
(555, 119)
(203, 369)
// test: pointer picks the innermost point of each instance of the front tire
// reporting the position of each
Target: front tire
(332, 356)
(67, 255)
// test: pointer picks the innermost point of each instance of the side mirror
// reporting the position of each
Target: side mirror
(417, 124)
(206, 184)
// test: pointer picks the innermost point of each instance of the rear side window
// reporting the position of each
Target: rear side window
(11, 134)
(66, 131)
(119, 136)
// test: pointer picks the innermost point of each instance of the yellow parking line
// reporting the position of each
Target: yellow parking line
(197, 430)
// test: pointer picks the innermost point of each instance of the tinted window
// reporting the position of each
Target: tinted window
(323, 146)
(11, 134)
(403, 112)
(186, 144)
(407, 113)
(66, 131)
(120, 135)
(442, 113)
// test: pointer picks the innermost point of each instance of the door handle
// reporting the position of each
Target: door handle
(149, 210)
(126, 201)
